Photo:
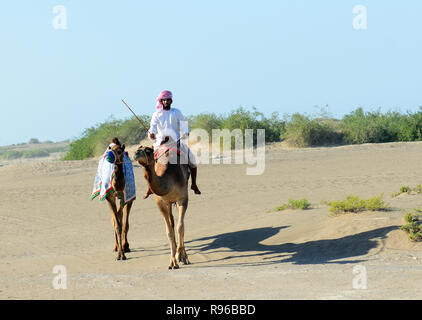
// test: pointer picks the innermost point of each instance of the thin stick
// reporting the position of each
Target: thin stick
(135, 115)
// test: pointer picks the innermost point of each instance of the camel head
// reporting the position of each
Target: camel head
(144, 156)
(118, 152)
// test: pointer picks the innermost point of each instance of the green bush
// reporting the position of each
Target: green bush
(404, 127)
(408, 190)
(206, 121)
(376, 204)
(35, 153)
(301, 204)
(405, 189)
(364, 127)
(356, 127)
(274, 127)
(350, 204)
(298, 130)
(80, 149)
(31, 153)
(303, 131)
(95, 140)
(11, 154)
(414, 225)
(355, 204)
(244, 119)
(374, 127)
(33, 141)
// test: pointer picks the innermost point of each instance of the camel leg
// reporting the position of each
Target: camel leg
(125, 226)
(116, 241)
(165, 210)
(117, 227)
(119, 216)
(181, 251)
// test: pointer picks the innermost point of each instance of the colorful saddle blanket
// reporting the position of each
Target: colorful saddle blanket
(105, 172)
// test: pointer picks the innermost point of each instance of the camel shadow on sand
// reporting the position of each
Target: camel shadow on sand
(247, 244)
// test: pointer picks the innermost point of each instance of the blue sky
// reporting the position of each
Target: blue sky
(285, 56)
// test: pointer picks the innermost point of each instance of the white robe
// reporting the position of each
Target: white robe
(170, 123)
(167, 123)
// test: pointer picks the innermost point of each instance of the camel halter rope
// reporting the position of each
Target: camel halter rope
(116, 158)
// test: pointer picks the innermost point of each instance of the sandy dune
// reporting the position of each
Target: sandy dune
(238, 249)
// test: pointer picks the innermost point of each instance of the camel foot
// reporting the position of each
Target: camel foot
(121, 257)
(173, 264)
(195, 189)
(181, 256)
(184, 260)
(173, 267)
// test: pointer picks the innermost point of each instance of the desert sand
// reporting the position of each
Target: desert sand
(239, 247)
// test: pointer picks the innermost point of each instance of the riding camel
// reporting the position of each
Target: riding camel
(169, 183)
(119, 217)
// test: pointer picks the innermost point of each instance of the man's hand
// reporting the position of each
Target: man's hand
(152, 136)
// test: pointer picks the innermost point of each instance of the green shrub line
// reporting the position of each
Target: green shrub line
(301, 204)
(408, 190)
(26, 154)
(299, 130)
(354, 204)
(95, 139)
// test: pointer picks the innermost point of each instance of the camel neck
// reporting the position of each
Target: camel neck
(118, 178)
(155, 182)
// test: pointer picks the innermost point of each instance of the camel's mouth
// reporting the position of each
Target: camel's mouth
(138, 154)
(118, 152)
(143, 155)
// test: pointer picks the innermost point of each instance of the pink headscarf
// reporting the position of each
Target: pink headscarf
(163, 95)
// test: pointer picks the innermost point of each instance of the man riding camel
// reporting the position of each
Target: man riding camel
(168, 121)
